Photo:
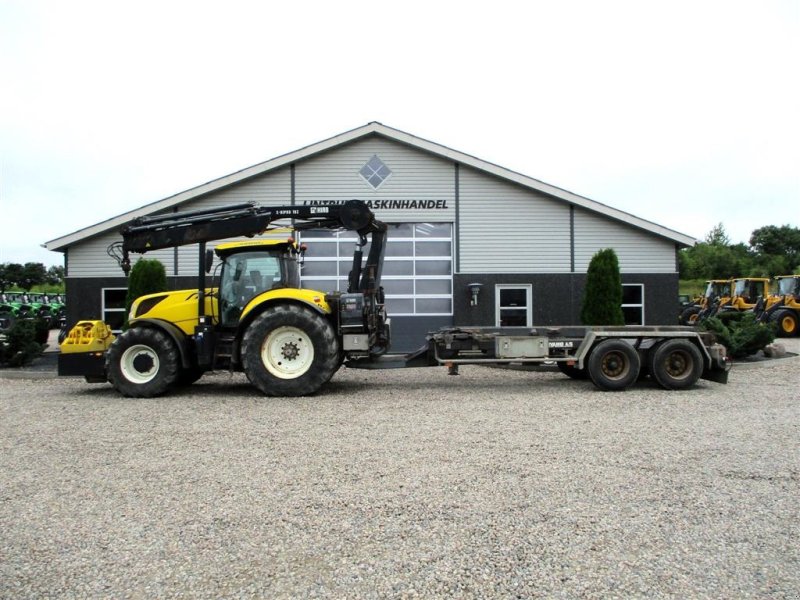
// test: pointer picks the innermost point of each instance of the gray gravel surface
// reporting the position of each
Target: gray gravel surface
(412, 483)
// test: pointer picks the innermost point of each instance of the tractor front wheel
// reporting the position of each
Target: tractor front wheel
(289, 350)
(142, 363)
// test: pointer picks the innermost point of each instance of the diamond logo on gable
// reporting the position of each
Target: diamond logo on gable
(375, 172)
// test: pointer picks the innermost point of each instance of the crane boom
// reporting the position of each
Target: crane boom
(248, 219)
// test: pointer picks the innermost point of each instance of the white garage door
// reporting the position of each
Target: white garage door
(417, 271)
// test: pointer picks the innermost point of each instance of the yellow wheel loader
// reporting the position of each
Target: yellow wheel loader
(717, 294)
(749, 294)
(784, 308)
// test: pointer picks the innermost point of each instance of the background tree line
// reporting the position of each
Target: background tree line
(772, 251)
(29, 275)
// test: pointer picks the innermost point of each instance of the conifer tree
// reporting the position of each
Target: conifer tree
(146, 277)
(602, 297)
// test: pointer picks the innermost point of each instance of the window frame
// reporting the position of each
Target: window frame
(528, 288)
(640, 306)
(104, 309)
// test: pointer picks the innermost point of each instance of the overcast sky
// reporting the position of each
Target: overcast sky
(683, 113)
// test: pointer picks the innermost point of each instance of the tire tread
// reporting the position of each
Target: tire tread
(326, 351)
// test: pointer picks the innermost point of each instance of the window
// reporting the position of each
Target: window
(513, 305)
(375, 172)
(246, 275)
(633, 303)
(417, 269)
(113, 307)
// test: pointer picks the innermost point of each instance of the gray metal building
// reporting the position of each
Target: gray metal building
(456, 221)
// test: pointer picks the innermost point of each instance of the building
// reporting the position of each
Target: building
(470, 243)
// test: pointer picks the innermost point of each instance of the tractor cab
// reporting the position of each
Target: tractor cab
(251, 268)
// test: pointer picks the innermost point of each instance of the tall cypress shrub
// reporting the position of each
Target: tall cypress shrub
(602, 297)
(146, 277)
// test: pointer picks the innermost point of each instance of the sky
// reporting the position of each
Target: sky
(684, 113)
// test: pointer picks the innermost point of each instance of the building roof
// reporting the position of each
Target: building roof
(374, 128)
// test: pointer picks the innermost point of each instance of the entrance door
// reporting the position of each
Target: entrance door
(513, 305)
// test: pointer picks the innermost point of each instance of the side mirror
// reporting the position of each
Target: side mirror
(209, 260)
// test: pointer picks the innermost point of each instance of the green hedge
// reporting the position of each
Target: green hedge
(740, 333)
(19, 345)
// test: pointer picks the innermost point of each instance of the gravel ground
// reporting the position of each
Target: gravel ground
(494, 483)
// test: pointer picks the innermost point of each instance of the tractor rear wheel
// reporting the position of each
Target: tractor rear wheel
(675, 364)
(142, 363)
(613, 365)
(786, 320)
(289, 350)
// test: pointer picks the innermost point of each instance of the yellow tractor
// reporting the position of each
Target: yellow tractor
(289, 341)
(784, 308)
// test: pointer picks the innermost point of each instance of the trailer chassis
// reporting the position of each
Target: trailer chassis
(614, 358)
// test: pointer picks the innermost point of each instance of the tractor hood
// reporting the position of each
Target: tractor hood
(178, 307)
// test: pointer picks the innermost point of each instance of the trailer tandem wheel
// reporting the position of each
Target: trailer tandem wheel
(675, 364)
(613, 365)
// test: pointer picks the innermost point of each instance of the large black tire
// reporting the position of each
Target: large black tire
(572, 371)
(675, 364)
(142, 363)
(689, 315)
(613, 365)
(785, 321)
(289, 350)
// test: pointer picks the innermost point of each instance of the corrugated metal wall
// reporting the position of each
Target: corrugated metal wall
(638, 251)
(89, 258)
(504, 228)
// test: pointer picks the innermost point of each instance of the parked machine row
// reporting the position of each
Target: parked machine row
(255, 318)
(779, 305)
(26, 305)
